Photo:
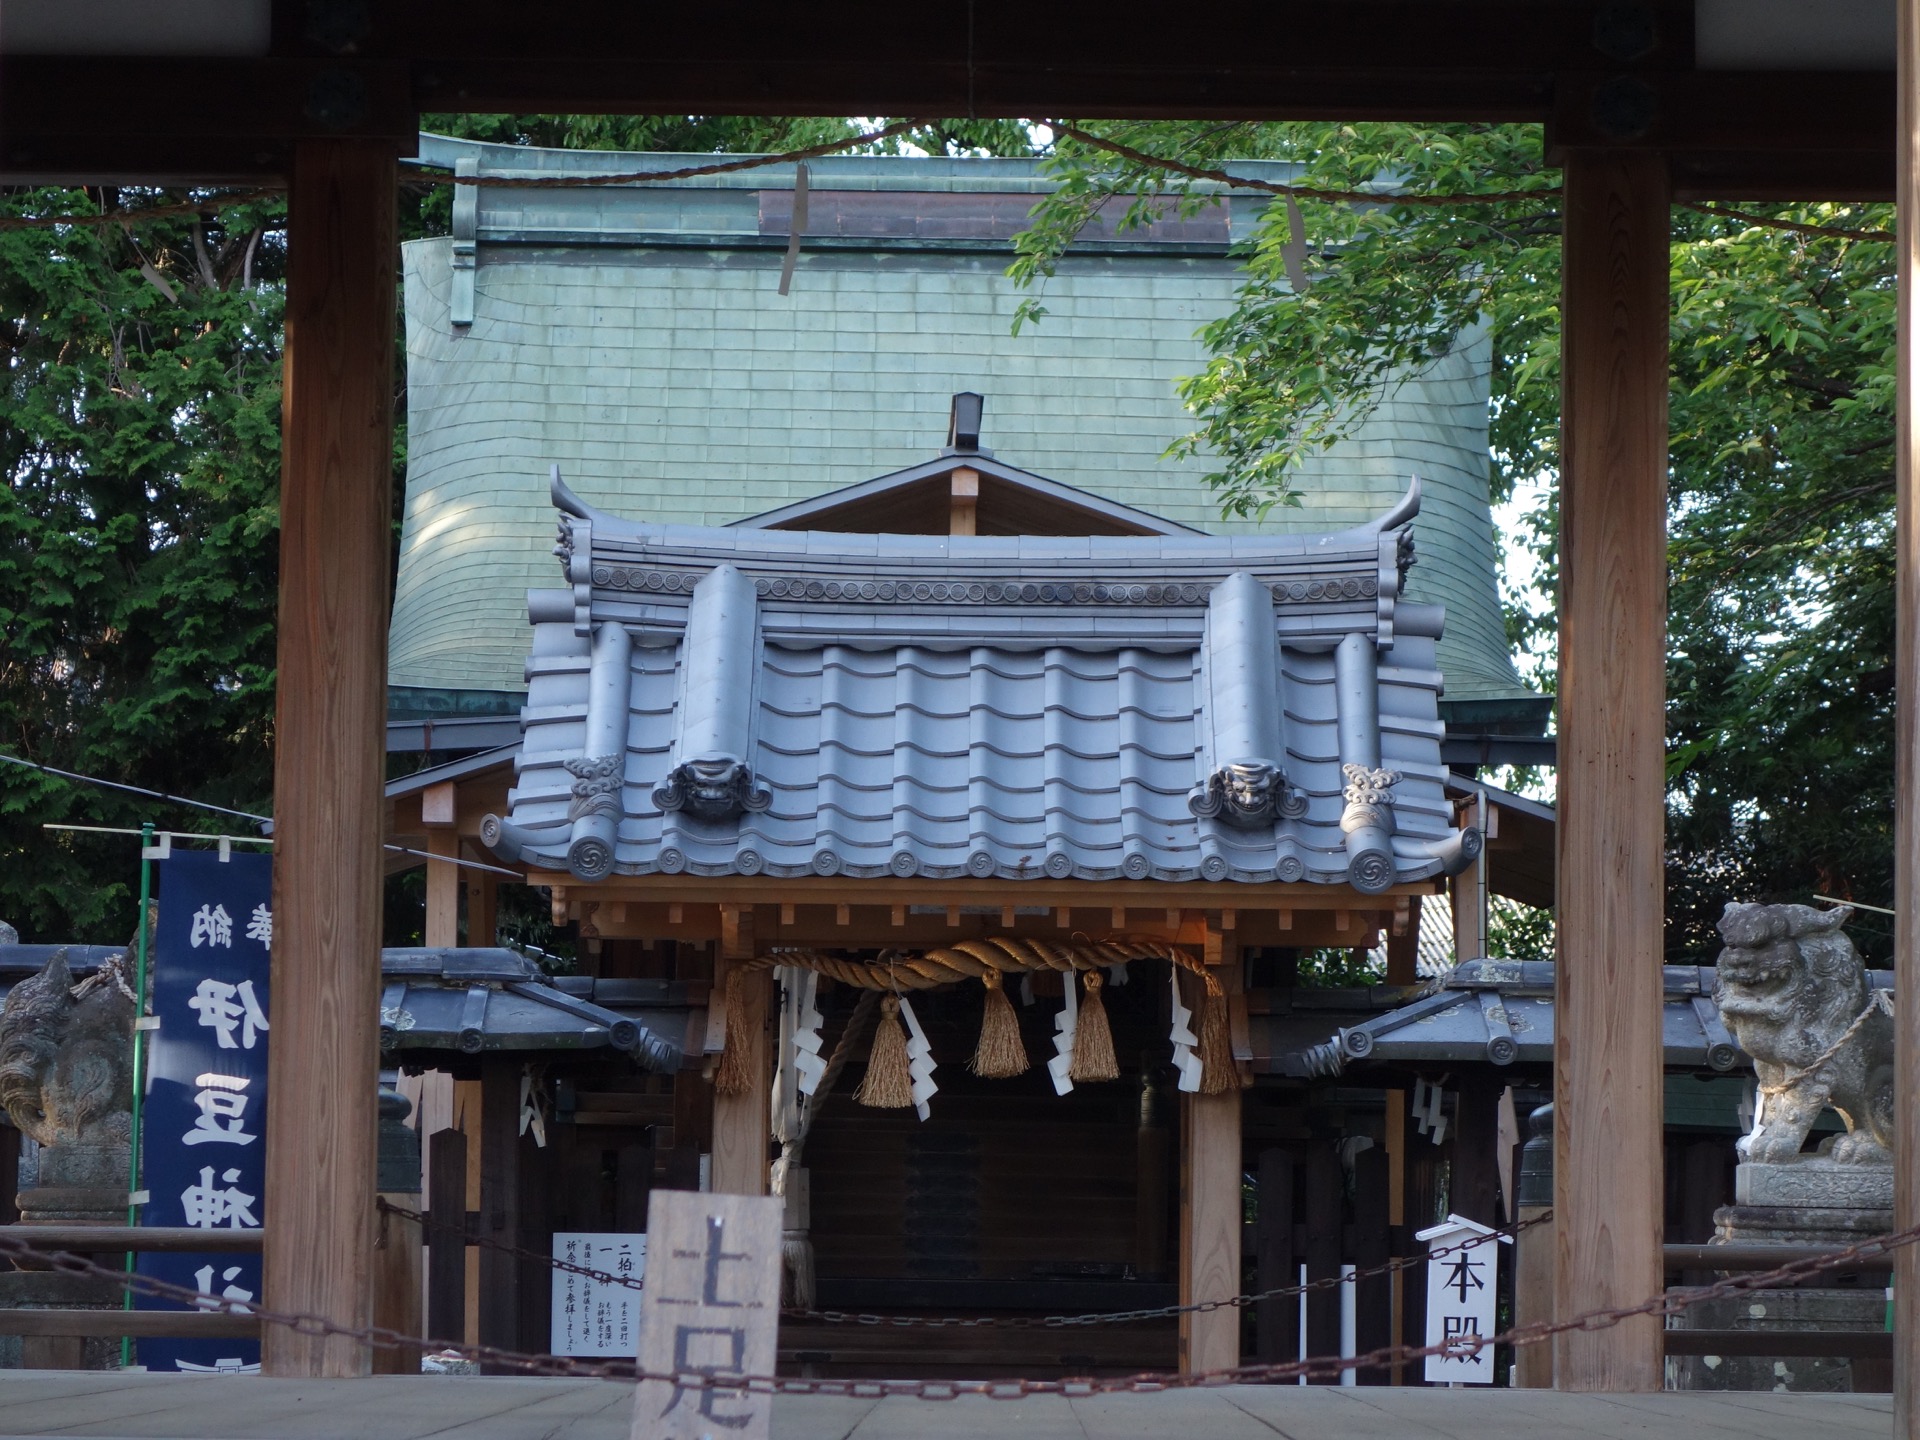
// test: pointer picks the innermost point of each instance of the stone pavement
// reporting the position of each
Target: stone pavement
(157, 1407)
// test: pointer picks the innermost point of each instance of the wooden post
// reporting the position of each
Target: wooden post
(398, 1284)
(1469, 914)
(1276, 1322)
(1474, 1185)
(335, 541)
(1607, 1047)
(446, 1239)
(1906, 881)
(1209, 1229)
(1372, 1245)
(964, 506)
(442, 928)
(743, 1124)
(483, 907)
(1326, 1194)
(500, 1205)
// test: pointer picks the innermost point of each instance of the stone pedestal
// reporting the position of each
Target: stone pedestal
(1809, 1201)
(77, 1185)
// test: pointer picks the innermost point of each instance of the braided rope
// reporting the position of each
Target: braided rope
(972, 959)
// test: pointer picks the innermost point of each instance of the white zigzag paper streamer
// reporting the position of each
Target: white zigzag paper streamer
(919, 1060)
(1183, 1038)
(1064, 1026)
(807, 1064)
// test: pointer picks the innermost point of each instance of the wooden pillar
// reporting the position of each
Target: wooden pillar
(442, 928)
(1209, 1228)
(1474, 1183)
(1325, 1224)
(500, 1197)
(1276, 1321)
(1372, 1246)
(1906, 882)
(1607, 1048)
(446, 1239)
(743, 1124)
(963, 508)
(335, 539)
(1469, 914)
(483, 907)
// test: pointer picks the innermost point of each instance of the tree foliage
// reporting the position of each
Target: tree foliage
(139, 527)
(138, 535)
(1780, 517)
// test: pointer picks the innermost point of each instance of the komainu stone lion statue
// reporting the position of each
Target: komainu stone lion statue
(66, 1055)
(1794, 993)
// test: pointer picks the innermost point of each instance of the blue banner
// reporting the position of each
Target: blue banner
(203, 1147)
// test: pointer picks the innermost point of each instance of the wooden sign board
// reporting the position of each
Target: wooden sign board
(1461, 1285)
(711, 1306)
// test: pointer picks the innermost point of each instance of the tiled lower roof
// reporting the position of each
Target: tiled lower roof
(990, 735)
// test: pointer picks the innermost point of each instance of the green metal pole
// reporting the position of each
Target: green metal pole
(139, 1065)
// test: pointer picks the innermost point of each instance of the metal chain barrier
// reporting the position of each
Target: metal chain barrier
(999, 1322)
(1665, 1304)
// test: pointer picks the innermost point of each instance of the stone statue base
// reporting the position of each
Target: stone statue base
(1814, 1181)
(76, 1185)
(1802, 1202)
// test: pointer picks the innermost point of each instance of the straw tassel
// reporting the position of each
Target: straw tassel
(999, 1055)
(889, 1082)
(1218, 1075)
(733, 1077)
(1093, 1057)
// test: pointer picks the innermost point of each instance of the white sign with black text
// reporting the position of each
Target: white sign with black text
(1462, 1286)
(592, 1316)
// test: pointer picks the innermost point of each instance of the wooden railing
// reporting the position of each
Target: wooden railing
(118, 1239)
(1841, 1344)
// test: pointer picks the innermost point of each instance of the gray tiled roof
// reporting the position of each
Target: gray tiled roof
(635, 335)
(1183, 707)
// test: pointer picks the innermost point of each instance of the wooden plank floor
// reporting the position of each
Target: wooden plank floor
(154, 1407)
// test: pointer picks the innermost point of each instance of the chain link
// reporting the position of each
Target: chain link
(1665, 1304)
(1004, 1322)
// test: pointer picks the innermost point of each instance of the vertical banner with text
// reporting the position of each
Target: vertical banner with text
(203, 1148)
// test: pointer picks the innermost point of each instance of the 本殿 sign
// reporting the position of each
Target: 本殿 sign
(1462, 1285)
(203, 1142)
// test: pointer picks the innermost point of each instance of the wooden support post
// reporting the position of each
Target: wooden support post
(742, 1124)
(1613, 568)
(1326, 1191)
(1403, 948)
(483, 906)
(499, 1205)
(1906, 847)
(1276, 1322)
(1474, 1186)
(442, 928)
(964, 505)
(1209, 1228)
(1372, 1244)
(1153, 1184)
(446, 1239)
(398, 1284)
(336, 534)
(1469, 914)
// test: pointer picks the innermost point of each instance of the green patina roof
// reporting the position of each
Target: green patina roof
(636, 339)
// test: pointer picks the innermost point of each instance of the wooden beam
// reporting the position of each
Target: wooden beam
(740, 1122)
(155, 1324)
(1607, 1047)
(1210, 1222)
(335, 536)
(1906, 808)
(844, 890)
(499, 1291)
(446, 1238)
(963, 505)
(442, 927)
